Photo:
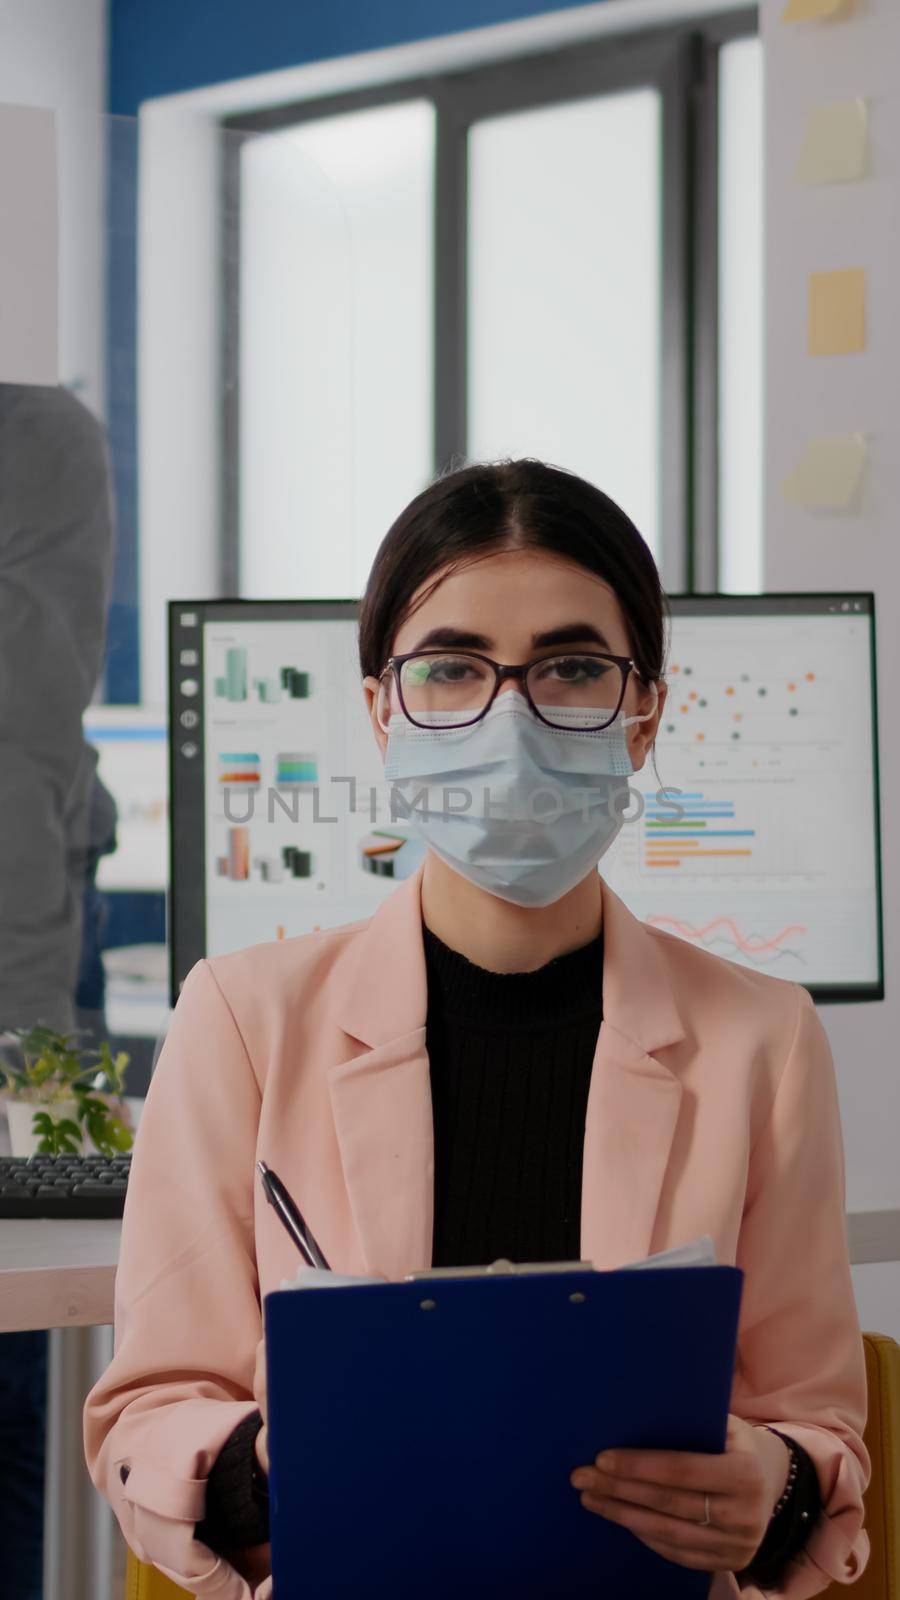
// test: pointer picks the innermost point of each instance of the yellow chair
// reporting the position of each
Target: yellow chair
(881, 1579)
(148, 1583)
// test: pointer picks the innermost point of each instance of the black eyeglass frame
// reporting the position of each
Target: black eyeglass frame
(502, 671)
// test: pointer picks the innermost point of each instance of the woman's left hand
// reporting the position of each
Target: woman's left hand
(659, 1495)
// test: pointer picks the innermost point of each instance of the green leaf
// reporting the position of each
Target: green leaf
(108, 1131)
(86, 1104)
(113, 1067)
(56, 1137)
(120, 1137)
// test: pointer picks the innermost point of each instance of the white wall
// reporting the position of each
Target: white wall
(810, 229)
(53, 53)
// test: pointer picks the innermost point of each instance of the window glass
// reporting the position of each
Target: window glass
(336, 371)
(564, 292)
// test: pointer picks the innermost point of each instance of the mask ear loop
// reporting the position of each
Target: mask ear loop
(643, 716)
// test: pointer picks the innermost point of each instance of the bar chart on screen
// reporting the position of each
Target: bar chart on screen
(285, 774)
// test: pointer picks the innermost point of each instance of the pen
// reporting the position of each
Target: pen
(279, 1198)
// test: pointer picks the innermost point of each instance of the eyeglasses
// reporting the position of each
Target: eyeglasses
(453, 689)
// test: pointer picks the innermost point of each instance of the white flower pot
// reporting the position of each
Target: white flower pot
(20, 1114)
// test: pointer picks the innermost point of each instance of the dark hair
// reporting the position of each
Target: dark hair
(489, 506)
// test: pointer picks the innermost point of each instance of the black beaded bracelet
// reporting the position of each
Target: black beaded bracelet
(793, 1470)
(792, 1521)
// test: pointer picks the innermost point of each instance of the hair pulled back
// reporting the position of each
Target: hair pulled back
(478, 510)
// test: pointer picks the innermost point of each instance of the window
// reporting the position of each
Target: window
(554, 256)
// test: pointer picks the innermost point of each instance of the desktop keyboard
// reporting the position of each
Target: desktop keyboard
(63, 1186)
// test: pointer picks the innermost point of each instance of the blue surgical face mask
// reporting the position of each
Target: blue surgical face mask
(521, 809)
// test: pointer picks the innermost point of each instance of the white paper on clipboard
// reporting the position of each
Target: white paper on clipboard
(699, 1252)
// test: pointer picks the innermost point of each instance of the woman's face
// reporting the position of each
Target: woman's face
(516, 606)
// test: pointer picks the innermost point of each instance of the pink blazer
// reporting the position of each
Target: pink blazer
(712, 1109)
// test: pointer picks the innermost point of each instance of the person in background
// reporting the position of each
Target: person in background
(90, 989)
(56, 558)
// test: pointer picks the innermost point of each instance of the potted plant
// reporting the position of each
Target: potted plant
(64, 1099)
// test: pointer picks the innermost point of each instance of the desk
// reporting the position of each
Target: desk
(57, 1274)
(61, 1275)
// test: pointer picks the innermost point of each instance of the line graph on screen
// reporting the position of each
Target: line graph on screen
(725, 935)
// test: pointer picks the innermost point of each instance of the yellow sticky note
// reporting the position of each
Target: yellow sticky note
(835, 145)
(828, 475)
(812, 10)
(837, 312)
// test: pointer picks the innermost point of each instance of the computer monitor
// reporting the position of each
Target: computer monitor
(758, 839)
(132, 750)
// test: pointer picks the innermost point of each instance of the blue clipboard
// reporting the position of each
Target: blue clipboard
(421, 1434)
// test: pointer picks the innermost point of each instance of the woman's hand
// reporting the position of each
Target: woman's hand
(260, 1394)
(659, 1495)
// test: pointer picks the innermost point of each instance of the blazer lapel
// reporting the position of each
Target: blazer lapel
(634, 1099)
(381, 1095)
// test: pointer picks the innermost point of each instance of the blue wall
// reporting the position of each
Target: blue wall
(160, 47)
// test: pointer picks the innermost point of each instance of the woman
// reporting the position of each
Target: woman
(503, 1061)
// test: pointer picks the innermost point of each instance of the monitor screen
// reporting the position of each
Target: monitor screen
(755, 836)
(132, 750)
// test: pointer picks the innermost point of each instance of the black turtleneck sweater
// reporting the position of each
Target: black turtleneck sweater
(510, 1057)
